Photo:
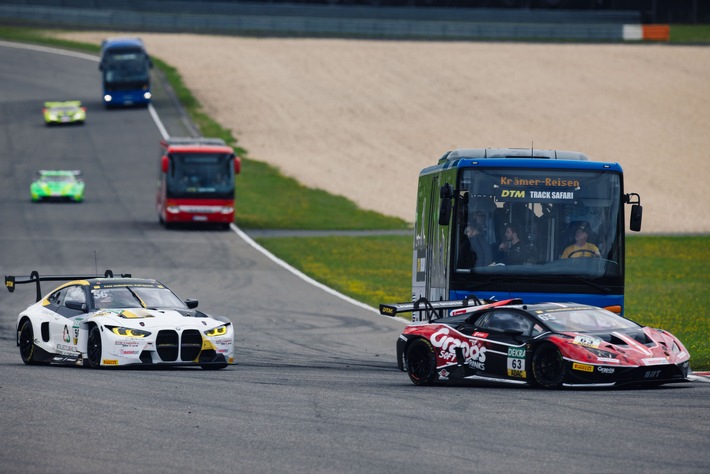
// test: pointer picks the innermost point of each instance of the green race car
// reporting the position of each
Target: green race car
(70, 111)
(57, 185)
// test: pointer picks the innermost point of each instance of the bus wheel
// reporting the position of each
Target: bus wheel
(548, 367)
(421, 362)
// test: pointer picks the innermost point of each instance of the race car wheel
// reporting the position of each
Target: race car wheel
(28, 350)
(93, 349)
(548, 367)
(421, 362)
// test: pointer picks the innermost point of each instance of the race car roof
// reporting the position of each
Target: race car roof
(66, 103)
(59, 172)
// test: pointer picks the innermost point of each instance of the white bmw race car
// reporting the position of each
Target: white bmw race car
(112, 322)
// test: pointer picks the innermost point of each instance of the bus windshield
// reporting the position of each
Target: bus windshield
(126, 66)
(539, 224)
(206, 175)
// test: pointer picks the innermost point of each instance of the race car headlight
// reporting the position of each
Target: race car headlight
(147, 95)
(601, 353)
(218, 331)
(108, 98)
(675, 348)
(128, 332)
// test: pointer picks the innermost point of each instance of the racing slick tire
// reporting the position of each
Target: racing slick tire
(421, 362)
(548, 367)
(93, 348)
(28, 349)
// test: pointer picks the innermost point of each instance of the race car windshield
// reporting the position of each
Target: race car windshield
(64, 109)
(115, 298)
(159, 298)
(58, 179)
(585, 320)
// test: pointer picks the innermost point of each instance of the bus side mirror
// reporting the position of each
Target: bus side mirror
(636, 211)
(445, 208)
(636, 214)
(237, 165)
(164, 164)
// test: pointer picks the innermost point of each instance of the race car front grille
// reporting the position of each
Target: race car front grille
(191, 345)
(167, 343)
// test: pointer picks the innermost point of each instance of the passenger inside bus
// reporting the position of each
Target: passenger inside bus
(512, 251)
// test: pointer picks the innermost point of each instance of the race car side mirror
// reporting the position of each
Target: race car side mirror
(164, 164)
(76, 305)
(192, 304)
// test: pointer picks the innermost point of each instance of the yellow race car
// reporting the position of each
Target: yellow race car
(70, 111)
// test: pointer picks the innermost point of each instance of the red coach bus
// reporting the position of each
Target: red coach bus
(196, 182)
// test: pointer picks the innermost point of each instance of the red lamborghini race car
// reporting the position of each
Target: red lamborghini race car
(548, 345)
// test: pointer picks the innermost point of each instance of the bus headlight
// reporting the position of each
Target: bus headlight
(173, 209)
(227, 210)
(147, 95)
(108, 98)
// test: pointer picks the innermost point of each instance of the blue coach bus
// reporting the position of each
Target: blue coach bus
(125, 72)
(476, 204)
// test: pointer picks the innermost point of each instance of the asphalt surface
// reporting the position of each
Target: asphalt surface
(316, 387)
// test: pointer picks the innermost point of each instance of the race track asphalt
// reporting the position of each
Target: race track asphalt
(315, 388)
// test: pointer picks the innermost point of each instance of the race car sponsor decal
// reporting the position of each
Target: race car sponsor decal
(76, 334)
(516, 362)
(109, 362)
(474, 354)
(65, 335)
(655, 361)
(652, 374)
(66, 348)
(582, 367)
(482, 335)
(127, 347)
(587, 341)
(443, 374)
(606, 370)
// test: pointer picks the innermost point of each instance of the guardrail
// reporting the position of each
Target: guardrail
(321, 21)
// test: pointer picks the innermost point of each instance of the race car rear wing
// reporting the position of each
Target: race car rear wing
(436, 309)
(11, 280)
